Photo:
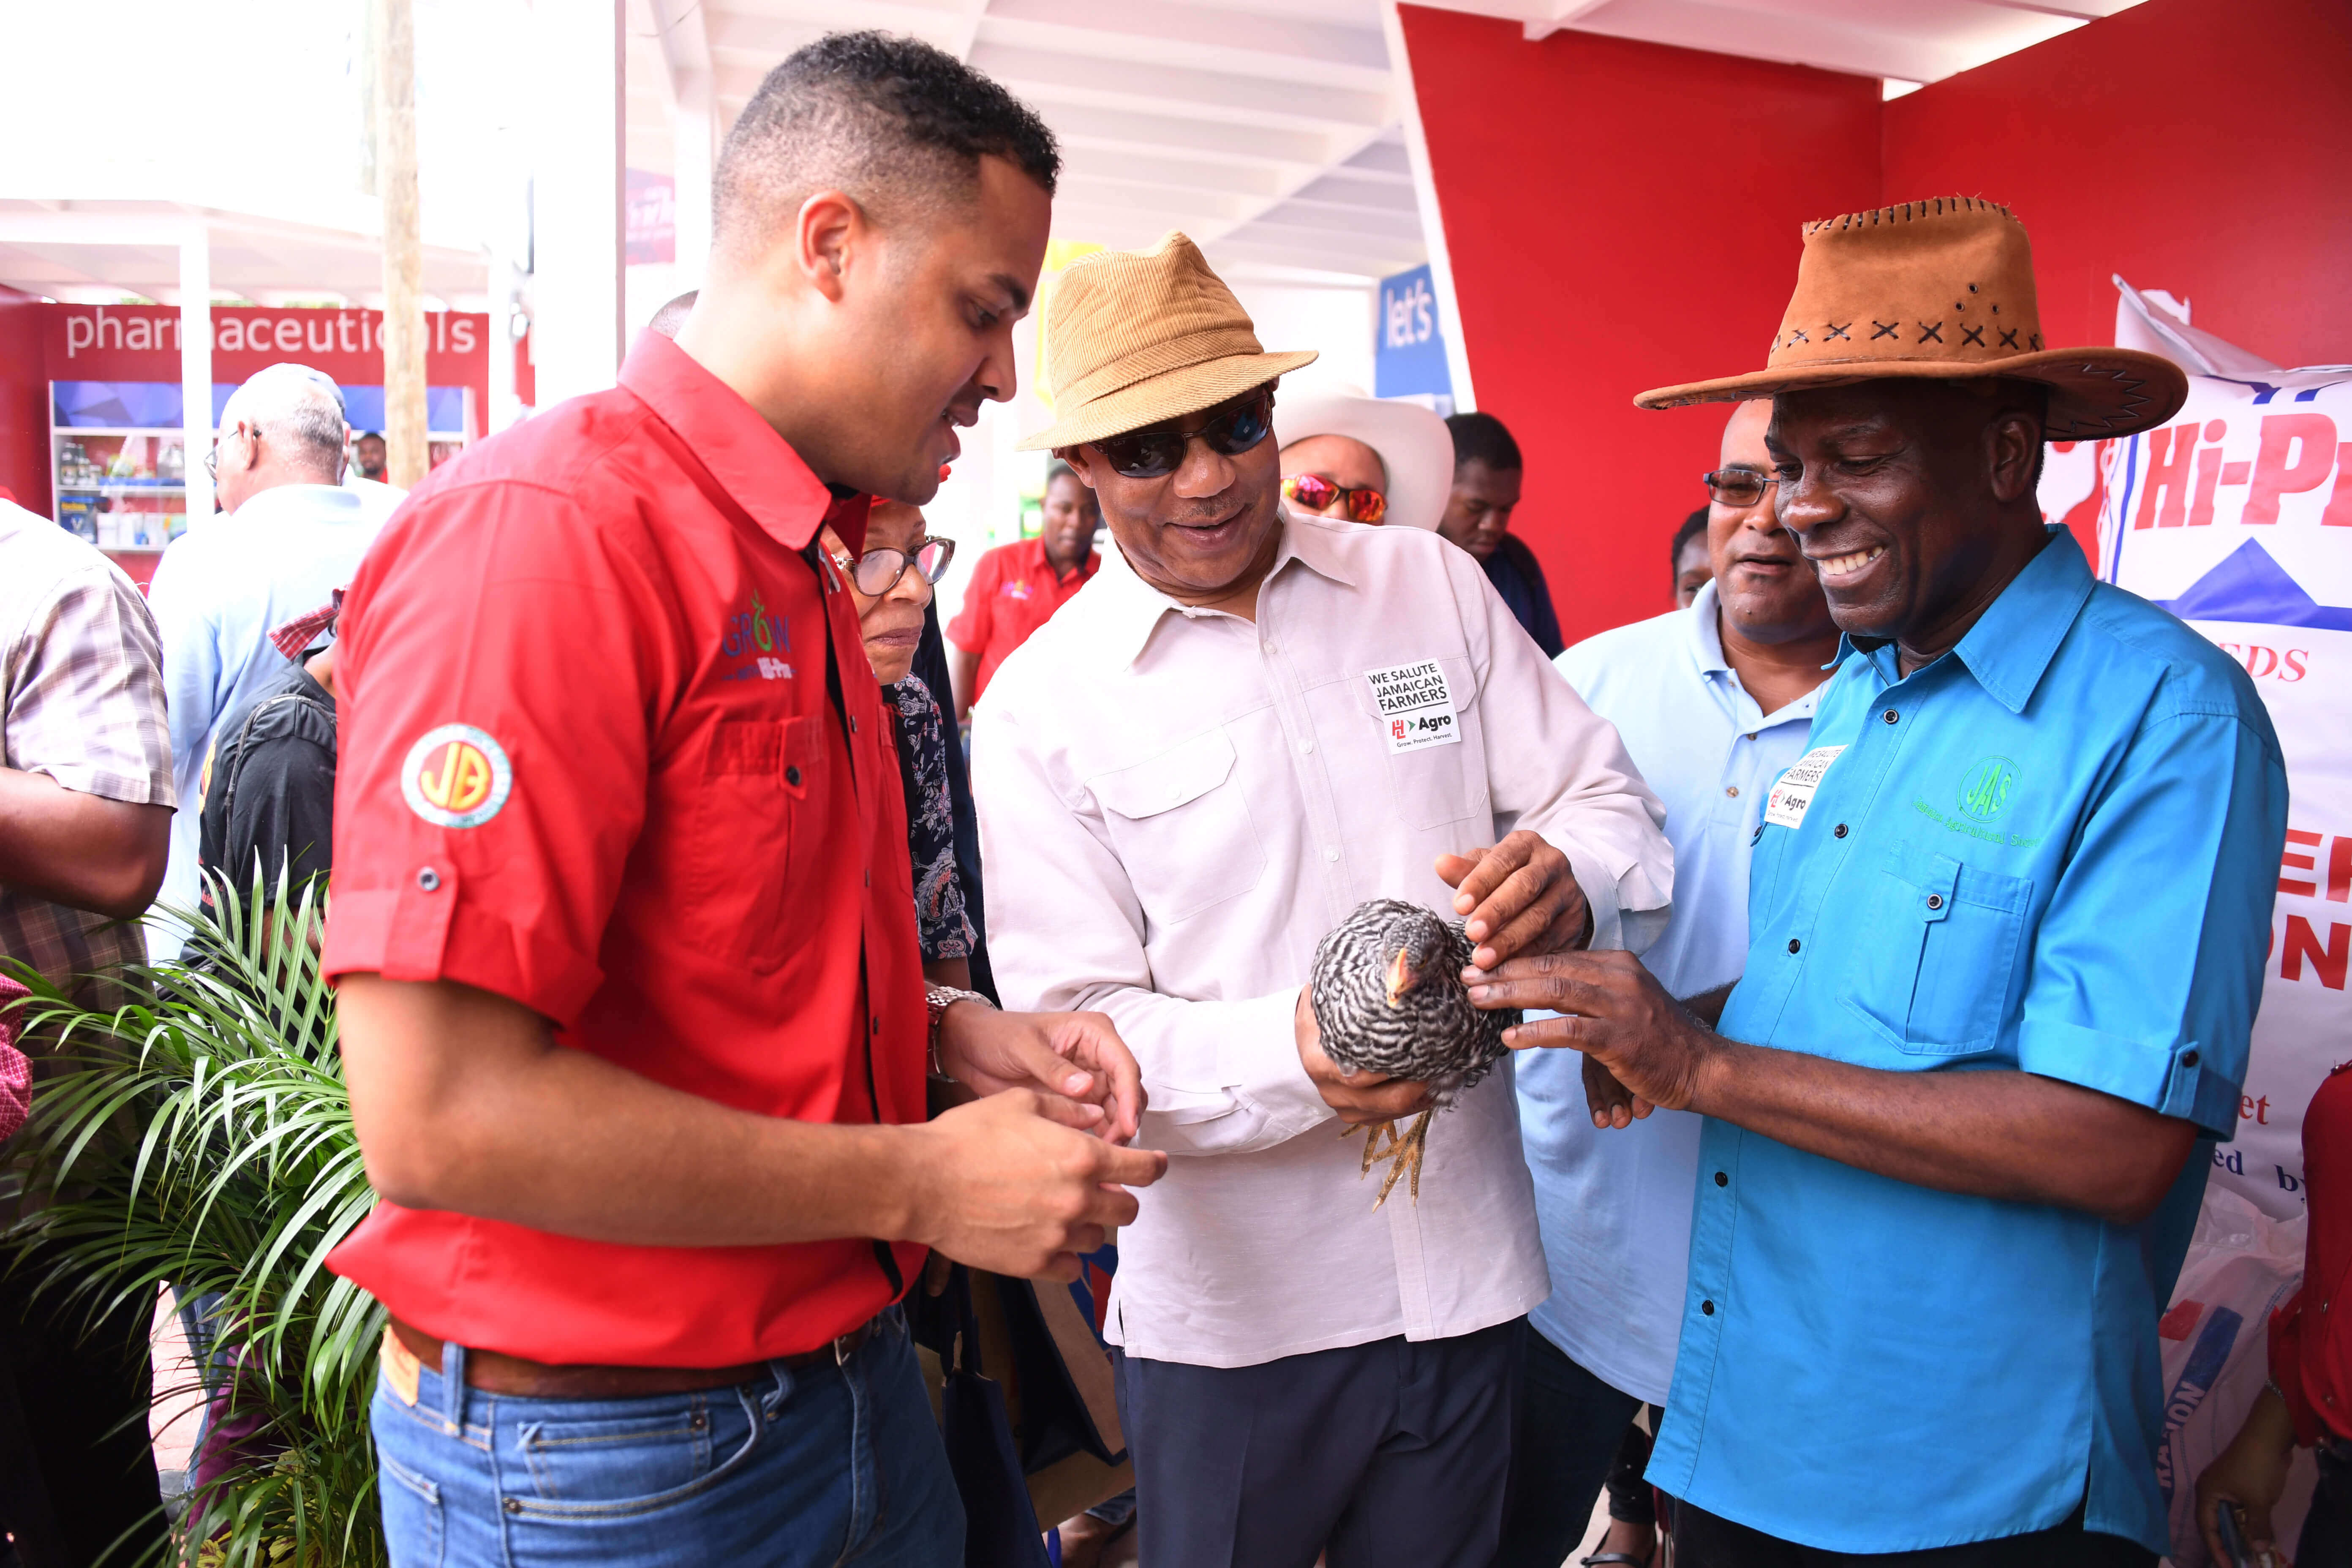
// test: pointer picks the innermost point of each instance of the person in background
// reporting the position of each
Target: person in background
(1017, 587)
(86, 801)
(369, 456)
(2007, 923)
(2308, 1401)
(1693, 565)
(890, 583)
(291, 536)
(631, 1003)
(1363, 459)
(1713, 702)
(1184, 782)
(1487, 471)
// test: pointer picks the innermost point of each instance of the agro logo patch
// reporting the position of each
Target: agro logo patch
(456, 777)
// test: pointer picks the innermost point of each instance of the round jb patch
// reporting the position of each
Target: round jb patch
(456, 777)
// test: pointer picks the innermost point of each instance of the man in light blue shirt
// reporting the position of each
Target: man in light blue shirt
(286, 537)
(1713, 703)
(2007, 918)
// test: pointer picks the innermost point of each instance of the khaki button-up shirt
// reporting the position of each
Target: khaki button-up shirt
(1177, 804)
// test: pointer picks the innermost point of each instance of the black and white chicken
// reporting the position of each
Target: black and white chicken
(1387, 996)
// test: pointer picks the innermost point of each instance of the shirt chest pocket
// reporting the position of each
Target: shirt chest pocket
(765, 793)
(1182, 828)
(1433, 781)
(1938, 949)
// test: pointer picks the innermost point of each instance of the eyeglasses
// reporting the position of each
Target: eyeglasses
(878, 571)
(211, 458)
(1235, 429)
(1317, 493)
(1742, 488)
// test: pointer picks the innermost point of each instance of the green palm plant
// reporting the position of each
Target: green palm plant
(201, 1136)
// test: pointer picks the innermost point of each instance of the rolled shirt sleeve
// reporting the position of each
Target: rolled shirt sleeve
(87, 705)
(2174, 1035)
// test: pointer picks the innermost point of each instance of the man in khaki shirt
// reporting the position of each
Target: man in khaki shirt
(1184, 780)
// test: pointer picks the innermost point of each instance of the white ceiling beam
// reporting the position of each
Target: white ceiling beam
(1561, 14)
(1085, 124)
(1133, 166)
(1153, 33)
(1207, 208)
(1041, 75)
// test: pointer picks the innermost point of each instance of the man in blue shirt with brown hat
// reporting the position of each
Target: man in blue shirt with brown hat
(2007, 922)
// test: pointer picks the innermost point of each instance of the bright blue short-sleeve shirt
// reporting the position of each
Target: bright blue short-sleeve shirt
(2052, 849)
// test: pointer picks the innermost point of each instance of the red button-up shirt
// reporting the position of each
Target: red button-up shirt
(1013, 591)
(2311, 1342)
(590, 761)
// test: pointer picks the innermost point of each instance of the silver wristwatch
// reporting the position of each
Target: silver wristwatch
(938, 999)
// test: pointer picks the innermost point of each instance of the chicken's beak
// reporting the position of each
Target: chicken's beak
(1401, 977)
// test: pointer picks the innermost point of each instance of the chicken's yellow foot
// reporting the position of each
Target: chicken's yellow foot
(1373, 1151)
(1405, 1153)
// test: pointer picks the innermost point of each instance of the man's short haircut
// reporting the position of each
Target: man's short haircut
(672, 316)
(369, 435)
(1481, 438)
(300, 407)
(893, 122)
(1693, 527)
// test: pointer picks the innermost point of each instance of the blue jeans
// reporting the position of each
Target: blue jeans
(817, 1464)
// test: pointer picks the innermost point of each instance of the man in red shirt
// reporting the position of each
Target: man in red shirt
(630, 997)
(1017, 587)
(2308, 1402)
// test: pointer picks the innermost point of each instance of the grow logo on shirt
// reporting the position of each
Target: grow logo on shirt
(759, 640)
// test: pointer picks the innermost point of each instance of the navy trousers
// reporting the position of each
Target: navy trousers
(1384, 1453)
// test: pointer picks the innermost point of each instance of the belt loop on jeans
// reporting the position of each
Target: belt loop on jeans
(452, 1386)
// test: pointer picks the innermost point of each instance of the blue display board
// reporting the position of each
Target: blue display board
(1408, 348)
(155, 406)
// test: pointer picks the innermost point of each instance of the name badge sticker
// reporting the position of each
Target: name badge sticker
(1792, 795)
(1416, 706)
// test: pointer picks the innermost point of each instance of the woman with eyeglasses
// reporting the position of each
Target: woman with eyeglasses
(890, 584)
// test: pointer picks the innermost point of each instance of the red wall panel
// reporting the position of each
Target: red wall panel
(2201, 146)
(1620, 215)
(24, 402)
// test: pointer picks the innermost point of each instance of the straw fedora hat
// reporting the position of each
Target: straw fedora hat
(1136, 337)
(1942, 290)
(1415, 448)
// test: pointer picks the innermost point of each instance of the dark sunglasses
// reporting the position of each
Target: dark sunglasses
(1741, 488)
(878, 571)
(1317, 493)
(1229, 432)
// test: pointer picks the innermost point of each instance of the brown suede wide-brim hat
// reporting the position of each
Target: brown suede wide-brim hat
(1941, 290)
(1133, 337)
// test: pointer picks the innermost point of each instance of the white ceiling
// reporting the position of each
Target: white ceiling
(1270, 130)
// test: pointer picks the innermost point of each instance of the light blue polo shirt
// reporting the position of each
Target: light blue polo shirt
(2054, 850)
(1615, 1206)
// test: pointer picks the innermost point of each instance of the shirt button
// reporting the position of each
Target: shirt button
(1731, 789)
(1722, 1179)
(877, 1026)
(2189, 1059)
(1839, 831)
(1935, 901)
(853, 723)
(793, 777)
(1269, 645)
(429, 879)
(1794, 945)
(1331, 852)
(1708, 1307)
(1305, 746)
(1890, 715)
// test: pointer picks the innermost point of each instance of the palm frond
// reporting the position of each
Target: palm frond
(201, 1135)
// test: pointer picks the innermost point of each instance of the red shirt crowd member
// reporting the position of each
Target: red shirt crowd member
(1017, 587)
(2309, 1401)
(631, 1004)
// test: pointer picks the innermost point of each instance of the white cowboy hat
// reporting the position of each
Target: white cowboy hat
(1413, 444)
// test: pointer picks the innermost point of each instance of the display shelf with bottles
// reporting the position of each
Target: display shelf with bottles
(123, 490)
